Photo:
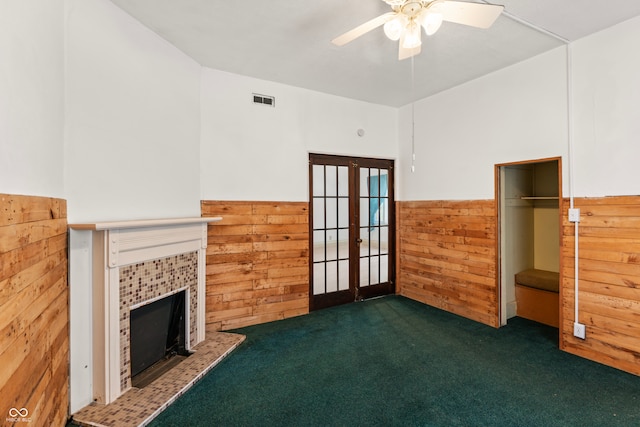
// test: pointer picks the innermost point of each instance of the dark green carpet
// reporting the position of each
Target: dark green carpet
(394, 361)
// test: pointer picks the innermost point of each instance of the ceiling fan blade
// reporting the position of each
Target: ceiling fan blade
(363, 29)
(480, 15)
(404, 53)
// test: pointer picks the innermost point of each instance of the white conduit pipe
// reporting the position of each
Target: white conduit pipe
(576, 224)
(413, 118)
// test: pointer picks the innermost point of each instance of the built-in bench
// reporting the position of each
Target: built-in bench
(537, 296)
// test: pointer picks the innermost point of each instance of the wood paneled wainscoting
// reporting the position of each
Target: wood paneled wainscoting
(34, 311)
(609, 281)
(446, 253)
(257, 262)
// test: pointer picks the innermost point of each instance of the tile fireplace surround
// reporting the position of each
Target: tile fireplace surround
(134, 263)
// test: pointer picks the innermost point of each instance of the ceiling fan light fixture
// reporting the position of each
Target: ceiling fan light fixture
(411, 37)
(407, 18)
(393, 29)
(432, 22)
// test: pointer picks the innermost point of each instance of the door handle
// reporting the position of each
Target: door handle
(358, 241)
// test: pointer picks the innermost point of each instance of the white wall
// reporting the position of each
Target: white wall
(132, 119)
(132, 144)
(607, 111)
(518, 113)
(256, 152)
(31, 97)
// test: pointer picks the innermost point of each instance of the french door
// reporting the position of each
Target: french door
(352, 229)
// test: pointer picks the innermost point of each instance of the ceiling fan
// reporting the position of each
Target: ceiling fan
(408, 17)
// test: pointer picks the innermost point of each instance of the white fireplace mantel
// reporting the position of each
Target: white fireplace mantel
(120, 243)
(137, 240)
(142, 223)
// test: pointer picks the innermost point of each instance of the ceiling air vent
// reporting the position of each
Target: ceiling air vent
(264, 99)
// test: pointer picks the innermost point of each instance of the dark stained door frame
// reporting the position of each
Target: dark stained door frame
(371, 266)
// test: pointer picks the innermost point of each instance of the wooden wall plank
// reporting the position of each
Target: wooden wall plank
(257, 262)
(20, 235)
(17, 209)
(609, 281)
(34, 312)
(20, 312)
(11, 285)
(447, 256)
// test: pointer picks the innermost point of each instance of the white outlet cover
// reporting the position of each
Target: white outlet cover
(574, 215)
(579, 330)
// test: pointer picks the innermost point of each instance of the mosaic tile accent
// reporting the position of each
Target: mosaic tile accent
(138, 407)
(146, 281)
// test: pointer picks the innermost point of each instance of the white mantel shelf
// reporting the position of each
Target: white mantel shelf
(142, 223)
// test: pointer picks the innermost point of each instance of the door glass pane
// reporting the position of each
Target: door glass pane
(384, 268)
(364, 236)
(364, 271)
(332, 183)
(318, 279)
(343, 244)
(318, 213)
(332, 213)
(384, 240)
(332, 276)
(383, 212)
(364, 182)
(364, 211)
(343, 210)
(343, 181)
(374, 183)
(331, 244)
(374, 241)
(318, 180)
(318, 246)
(343, 275)
(374, 272)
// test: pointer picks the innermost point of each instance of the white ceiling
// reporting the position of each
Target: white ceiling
(288, 41)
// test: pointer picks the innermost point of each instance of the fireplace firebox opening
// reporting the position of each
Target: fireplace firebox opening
(157, 338)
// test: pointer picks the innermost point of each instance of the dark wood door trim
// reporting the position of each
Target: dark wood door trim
(355, 292)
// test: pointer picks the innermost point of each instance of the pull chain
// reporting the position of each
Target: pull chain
(413, 119)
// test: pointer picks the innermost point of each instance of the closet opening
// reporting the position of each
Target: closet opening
(529, 240)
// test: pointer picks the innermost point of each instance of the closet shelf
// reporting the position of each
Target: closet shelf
(539, 197)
